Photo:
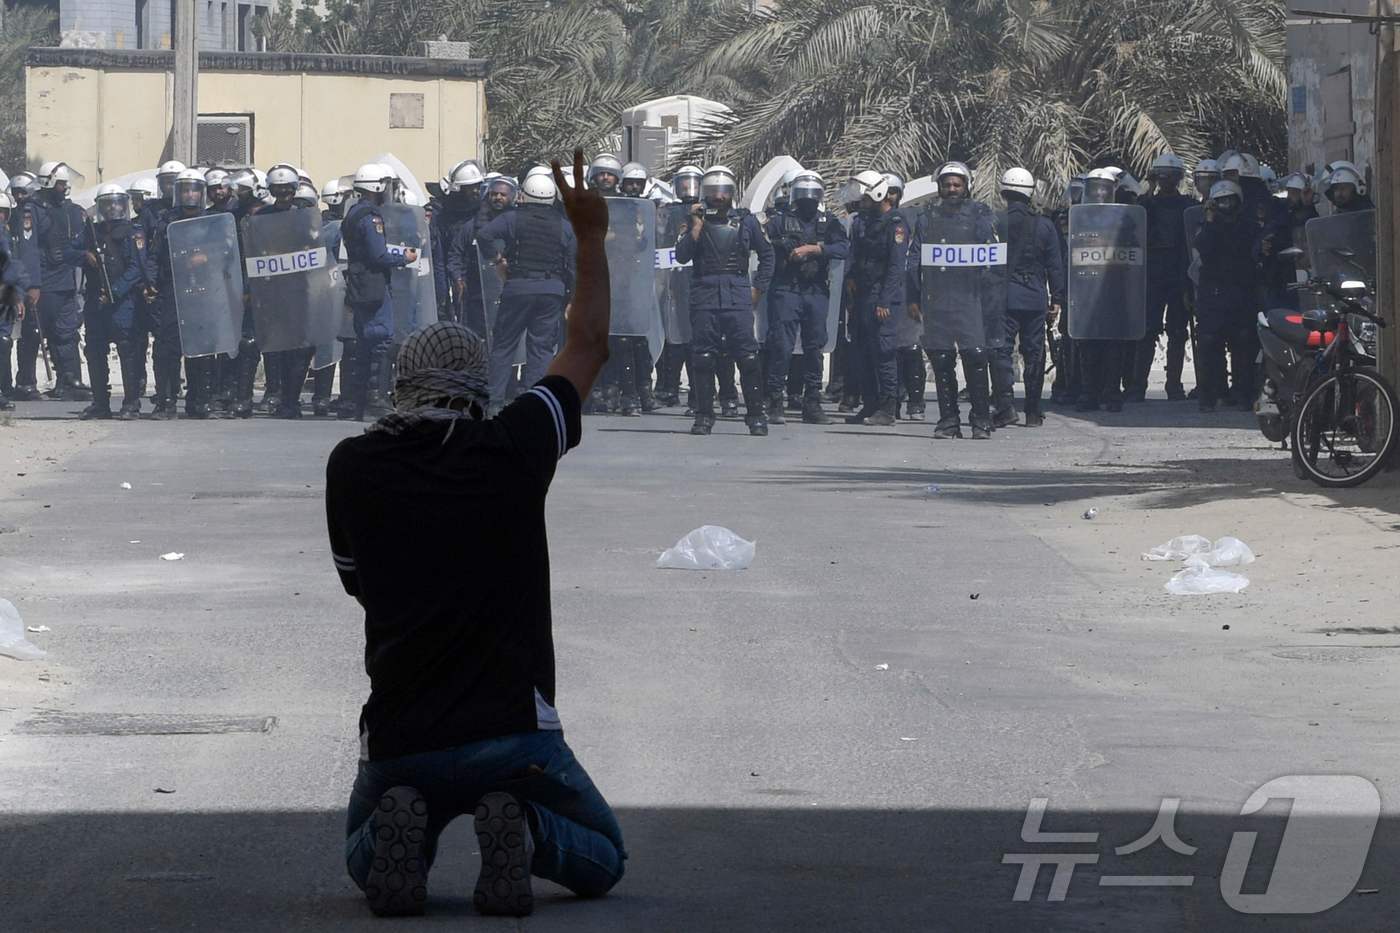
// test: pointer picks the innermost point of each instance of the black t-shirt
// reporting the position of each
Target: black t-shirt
(444, 545)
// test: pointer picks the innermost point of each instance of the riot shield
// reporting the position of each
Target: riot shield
(290, 282)
(411, 289)
(328, 354)
(631, 251)
(836, 284)
(672, 278)
(1343, 246)
(1107, 272)
(491, 285)
(962, 292)
(208, 283)
(1194, 217)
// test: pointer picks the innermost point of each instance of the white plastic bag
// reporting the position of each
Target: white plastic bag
(709, 547)
(1229, 552)
(13, 644)
(1179, 548)
(1200, 579)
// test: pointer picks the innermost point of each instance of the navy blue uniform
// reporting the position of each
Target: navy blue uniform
(164, 323)
(799, 300)
(58, 317)
(540, 252)
(26, 221)
(12, 276)
(722, 307)
(879, 261)
(1225, 312)
(1168, 256)
(1035, 279)
(457, 223)
(113, 257)
(367, 294)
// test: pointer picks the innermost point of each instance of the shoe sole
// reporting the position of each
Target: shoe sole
(503, 887)
(397, 885)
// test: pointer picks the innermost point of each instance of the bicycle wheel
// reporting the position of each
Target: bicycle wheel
(1345, 429)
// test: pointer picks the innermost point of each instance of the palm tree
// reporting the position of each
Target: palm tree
(906, 84)
(25, 25)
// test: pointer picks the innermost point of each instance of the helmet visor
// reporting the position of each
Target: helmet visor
(114, 206)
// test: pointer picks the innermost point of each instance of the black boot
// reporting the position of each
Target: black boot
(246, 372)
(979, 392)
(294, 366)
(1176, 362)
(272, 382)
(945, 381)
(377, 403)
(775, 409)
(751, 380)
(1139, 362)
(344, 406)
(702, 376)
(323, 382)
(812, 412)
(883, 415)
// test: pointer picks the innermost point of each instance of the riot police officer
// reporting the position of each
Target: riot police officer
(806, 240)
(1204, 176)
(323, 380)
(1035, 281)
(909, 353)
(718, 242)
(367, 291)
(59, 319)
(634, 180)
(1167, 259)
(12, 284)
(629, 363)
(188, 193)
(290, 366)
(456, 221)
(26, 225)
(536, 258)
(113, 261)
(672, 219)
(879, 255)
(1065, 388)
(953, 293)
(1102, 361)
(1224, 309)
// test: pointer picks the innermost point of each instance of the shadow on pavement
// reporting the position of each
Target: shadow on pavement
(1168, 484)
(711, 870)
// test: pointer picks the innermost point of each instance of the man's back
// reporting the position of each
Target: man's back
(441, 536)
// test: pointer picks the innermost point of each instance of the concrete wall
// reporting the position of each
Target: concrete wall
(1319, 50)
(107, 122)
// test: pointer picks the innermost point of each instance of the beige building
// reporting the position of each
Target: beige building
(107, 112)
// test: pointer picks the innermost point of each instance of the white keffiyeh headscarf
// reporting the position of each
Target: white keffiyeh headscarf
(441, 364)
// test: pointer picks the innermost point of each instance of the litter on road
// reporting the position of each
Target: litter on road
(709, 547)
(173, 555)
(13, 644)
(1201, 579)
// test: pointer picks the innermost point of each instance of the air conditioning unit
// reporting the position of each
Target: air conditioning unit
(224, 139)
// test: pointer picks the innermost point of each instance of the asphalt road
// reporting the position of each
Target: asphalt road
(769, 772)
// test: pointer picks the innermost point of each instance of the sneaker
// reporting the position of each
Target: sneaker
(507, 849)
(397, 885)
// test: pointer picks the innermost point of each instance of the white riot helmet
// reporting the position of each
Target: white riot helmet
(1343, 175)
(894, 182)
(464, 176)
(305, 196)
(784, 189)
(7, 203)
(806, 186)
(1242, 163)
(1297, 181)
(1100, 185)
(870, 184)
(1269, 176)
(1168, 163)
(503, 184)
(146, 187)
(1128, 183)
(1223, 190)
(189, 188)
(604, 164)
(718, 181)
(45, 170)
(958, 169)
(371, 178)
(686, 182)
(1018, 181)
(24, 182)
(410, 197)
(216, 178)
(166, 174)
(113, 203)
(332, 193)
(1206, 167)
(281, 176)
(58, 174)
(634, 179)
(538, 188)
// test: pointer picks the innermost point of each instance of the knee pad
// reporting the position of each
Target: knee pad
(978, 356)
(944, 359)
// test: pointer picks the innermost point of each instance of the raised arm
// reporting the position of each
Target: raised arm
(586, 342)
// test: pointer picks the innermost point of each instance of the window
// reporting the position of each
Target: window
(248, 16)
(143, 23)
(405, 111)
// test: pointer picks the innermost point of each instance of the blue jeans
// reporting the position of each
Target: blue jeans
(578, 843)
